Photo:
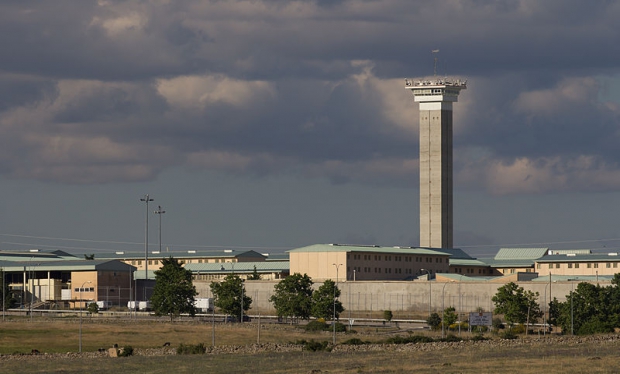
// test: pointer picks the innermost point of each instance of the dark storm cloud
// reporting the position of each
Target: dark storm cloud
(316, 88)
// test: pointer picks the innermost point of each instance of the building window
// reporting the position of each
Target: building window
(589, 265)
(557, 266)
(537, 267)
(550, 267)
(577, 265)
(608, 265)
(570, 265)
(596, 265)
(615, 264)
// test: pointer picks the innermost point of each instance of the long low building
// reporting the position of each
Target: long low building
(358, 262)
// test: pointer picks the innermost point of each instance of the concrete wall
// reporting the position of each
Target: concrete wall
(413, 297)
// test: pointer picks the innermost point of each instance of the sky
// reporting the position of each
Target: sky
(271, 125)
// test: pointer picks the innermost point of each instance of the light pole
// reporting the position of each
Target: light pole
(146, 199)
(572, 296)
(428, 279)
(460, 306)
(81, 307)
(3, 292)
(159, 212)
(334, 320)
(546, 309)
(443, 309)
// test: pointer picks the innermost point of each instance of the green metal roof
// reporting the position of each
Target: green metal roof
(367, 248)
(466, 262)
(520, 253)
(513, 263)
(455, 253)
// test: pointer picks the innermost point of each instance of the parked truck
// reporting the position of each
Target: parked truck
(142, 305)
(204, 305)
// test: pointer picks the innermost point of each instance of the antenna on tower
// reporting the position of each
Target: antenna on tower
(434, 53)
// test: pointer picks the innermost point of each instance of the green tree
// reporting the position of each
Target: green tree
(325, 301)
(254, 275)
(229, 295)
(434, 321)
(388, 315)
(93, 308)
(588, 309)
(516, 304)
(449, 316)
(293, 297)
(174, 292)
(89, 257)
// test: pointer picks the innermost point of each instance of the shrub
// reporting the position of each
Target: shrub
(478, 338)
(434, 321)
(508, 334)
(316, 326)
(518, 329)
(340, 327)
(497, 324)
(594, 327)
(387, 315)
(452, 338)
(126, 351)
(191, 349)
(314, 346)
(355, 341)
(409, 339)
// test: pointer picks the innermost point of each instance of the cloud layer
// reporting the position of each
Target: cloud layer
(113, 91)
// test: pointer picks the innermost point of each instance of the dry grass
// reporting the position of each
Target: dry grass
(62, 336)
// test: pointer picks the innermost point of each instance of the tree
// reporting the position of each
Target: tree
(434, 321)
(293, 297)
(9, 300)
(254, 275)
(589, 309)
(89, 257)
(93, 308)
(516, 304)
(230, 296)
(324, 301)
(174, 292)
(449, 316)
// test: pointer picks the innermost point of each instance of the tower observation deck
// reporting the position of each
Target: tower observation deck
(436, 203)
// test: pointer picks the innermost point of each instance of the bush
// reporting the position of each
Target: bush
(321, 326)
(387, 315)
(452, 338)
(93, 308)
(478, 338)
(355, 341)
(518, 329)
(126, 351)
(594, 327)
(434, 321)
(191, 349)
(315, 326)
(497, 324)
(313, 346)
(409, 339)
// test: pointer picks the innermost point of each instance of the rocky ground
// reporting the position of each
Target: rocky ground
(269, 347)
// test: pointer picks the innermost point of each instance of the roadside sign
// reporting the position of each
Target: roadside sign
(481, 319)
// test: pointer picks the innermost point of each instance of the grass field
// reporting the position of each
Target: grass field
(551, 355)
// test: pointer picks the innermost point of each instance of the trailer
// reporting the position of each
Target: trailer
(204, 305)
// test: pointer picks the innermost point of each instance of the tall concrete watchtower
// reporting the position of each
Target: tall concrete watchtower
(436, 97)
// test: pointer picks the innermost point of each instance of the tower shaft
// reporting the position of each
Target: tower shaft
(436, 191)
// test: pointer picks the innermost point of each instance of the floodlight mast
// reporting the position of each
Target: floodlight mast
(146, 199)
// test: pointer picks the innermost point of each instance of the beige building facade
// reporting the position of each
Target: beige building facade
(349, 262)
